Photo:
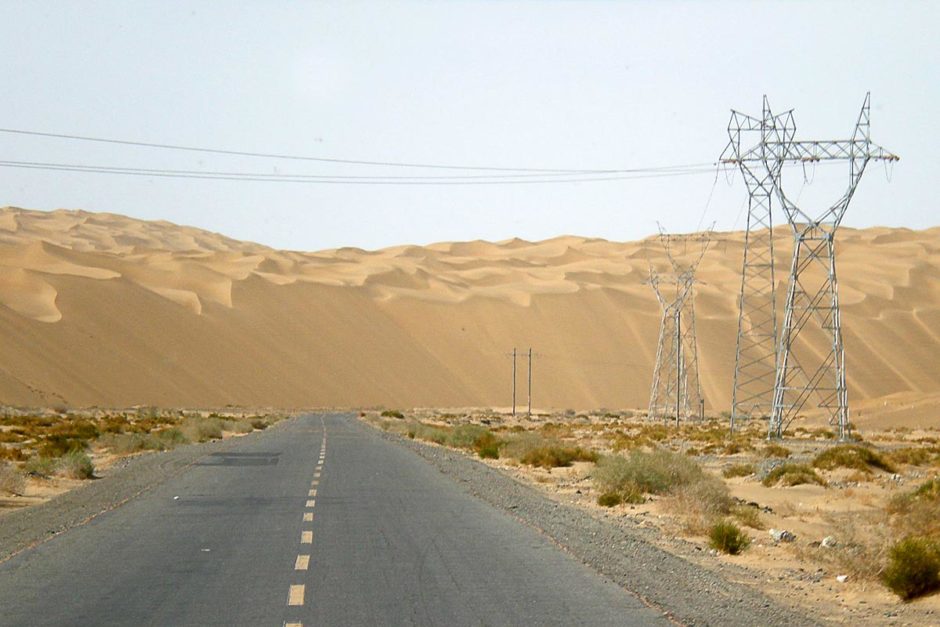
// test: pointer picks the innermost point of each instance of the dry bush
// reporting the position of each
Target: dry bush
(40, 466)
(657, 472)
(198, 429)
(792, 474)
(739, 470)
(12, 480)
(12, 453)
(238, 426)
(775, 450)
(851, 456)
(912, 455)
(701, 503)
(75, 465)
(748, 515)
(917, 512)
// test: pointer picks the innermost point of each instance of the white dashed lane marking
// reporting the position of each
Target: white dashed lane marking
(303, 561)
(312, 492)
(306, 537)
(311, 503)
(308, 517)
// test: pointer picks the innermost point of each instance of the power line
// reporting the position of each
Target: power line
(243, 153)
(341, 180)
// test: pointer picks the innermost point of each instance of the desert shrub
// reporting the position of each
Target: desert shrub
(913, 456)
(57, 445)
(609, 499)
(748, 516)
(775, 450)
(75, 465)
(259, 423)
(466, 436)
(918, 511)
(239, 426)
(198, 429)
(13, 436)
(12, 453)
(657, 472)
(700, 503)
(438, 435)
(557, 456)
(114, 424)
(913, 568)
(727, 537)
(12, 480)
(393, 413)
(792, 474)
(40, 466)
(75, 430)
(851, 456)
(739, 470)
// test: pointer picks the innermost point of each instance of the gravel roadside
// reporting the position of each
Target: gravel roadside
(689, 594)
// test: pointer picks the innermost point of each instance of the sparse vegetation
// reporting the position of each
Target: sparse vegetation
(727, 537)
(393, 413)
(791, 475)
(748, 515)
(913, 568)
(198, 429)
(739, 470)
(75, 465)
(12, 480)
(853, 456)
(775, 450)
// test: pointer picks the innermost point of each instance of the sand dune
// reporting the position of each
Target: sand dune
(101, 309)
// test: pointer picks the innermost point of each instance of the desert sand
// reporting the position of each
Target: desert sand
(105, 310)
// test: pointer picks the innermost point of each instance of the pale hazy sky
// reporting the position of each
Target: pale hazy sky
(581, 85)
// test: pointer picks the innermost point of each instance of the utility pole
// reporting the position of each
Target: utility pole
(529, 411)
(514, 381)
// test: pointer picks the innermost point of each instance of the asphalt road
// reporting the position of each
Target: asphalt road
(318, 521)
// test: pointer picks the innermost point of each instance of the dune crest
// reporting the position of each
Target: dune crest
(103, 309)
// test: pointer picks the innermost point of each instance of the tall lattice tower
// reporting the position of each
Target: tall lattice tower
(805, 372)
(676, 392)
(756, 344)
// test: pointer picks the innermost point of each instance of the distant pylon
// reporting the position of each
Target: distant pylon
(804, 371)
(676, 393)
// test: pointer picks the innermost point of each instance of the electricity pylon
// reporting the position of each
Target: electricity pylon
(804, 371)
(676, 392)
(756, 344)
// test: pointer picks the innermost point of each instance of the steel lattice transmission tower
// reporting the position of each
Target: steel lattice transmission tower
(756, 344)
(676, 392)
(803, 371)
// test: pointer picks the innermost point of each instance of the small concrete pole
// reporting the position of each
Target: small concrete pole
(529, 397)
(514, 382)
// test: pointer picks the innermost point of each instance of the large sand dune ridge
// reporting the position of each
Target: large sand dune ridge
(101, 309)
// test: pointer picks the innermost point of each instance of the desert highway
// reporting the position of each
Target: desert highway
(317, 521)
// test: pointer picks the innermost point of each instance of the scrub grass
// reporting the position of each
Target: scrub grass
(791, 475)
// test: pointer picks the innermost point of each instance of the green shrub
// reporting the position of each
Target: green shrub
(438, 435)
(259, 423)
(913, 568)
(792, 474)
(739, 470)
(609, 499)
(392, 413)
(851, 456)
(725, 536)
(75, 465)
(466, 436)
